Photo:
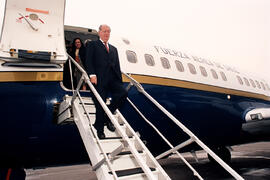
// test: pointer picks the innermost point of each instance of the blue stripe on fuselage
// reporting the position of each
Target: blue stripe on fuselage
(27, 130)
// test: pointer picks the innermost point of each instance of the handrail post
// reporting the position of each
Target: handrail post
(70, 72)
(77, 89)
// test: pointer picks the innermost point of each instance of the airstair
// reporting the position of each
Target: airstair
(122, 155)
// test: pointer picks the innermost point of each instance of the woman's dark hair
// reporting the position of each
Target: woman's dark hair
(73, 44)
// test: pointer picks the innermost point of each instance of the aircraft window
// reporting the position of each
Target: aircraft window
(263, 86)
(149, 59)
(179, 66)
(203, 71)
(165, 63)
(246, 81)
(192, 68)
(252, 82)
(131, 56)
(214, 74)
(240, 80)
(258, 84)
(223, 76)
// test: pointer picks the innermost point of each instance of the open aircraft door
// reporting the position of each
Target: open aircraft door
(33, 30)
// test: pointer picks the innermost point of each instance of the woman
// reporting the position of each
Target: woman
(78, 53)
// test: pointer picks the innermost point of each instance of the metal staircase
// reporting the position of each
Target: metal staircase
(122, 154)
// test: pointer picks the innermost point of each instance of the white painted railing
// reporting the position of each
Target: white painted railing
(192, 136)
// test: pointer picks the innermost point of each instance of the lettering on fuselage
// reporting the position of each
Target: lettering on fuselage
(167, 51)
(171, 52)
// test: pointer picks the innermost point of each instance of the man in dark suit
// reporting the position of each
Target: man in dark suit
(102, 65)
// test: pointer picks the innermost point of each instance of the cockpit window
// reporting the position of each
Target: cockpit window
(165, 63)
(149, 59)
(131, 56)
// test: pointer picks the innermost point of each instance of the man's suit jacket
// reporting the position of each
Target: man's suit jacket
(101, 63)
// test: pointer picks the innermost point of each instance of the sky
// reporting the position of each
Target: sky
(235, 32)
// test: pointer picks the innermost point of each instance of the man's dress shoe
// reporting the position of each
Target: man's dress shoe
(110, 126)
(101, 135)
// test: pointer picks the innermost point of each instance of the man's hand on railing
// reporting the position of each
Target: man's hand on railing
(134, 82)
(93, 79)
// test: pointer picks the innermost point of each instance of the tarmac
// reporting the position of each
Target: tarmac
(251, 161)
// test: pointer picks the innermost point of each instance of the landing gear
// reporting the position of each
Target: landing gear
(223, 152)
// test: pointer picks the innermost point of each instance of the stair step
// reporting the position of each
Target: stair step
(64, 112)
(132, 171)
(134, 174)
(92, 117)
(113, 135)
(127, 152)
(123, 162)
(109, 145)
(89, 108)
(87, 100)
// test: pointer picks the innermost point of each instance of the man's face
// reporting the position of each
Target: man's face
(104, 33)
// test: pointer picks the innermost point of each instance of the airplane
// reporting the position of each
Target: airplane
(221, 104)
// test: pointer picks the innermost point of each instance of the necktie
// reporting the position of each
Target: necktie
(107, 48)
(77, 58)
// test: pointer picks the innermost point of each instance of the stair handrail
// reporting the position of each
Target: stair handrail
(77, 93)
(165, 139)
(121, 132)
(185, 129)
(140, 142)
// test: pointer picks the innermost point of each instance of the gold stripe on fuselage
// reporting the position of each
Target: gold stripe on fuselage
(30, 76)
(58, 76)
(192, 85)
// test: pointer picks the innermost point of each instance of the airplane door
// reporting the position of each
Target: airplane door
(33, 29)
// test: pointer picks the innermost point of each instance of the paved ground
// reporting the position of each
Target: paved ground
(251, 161)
